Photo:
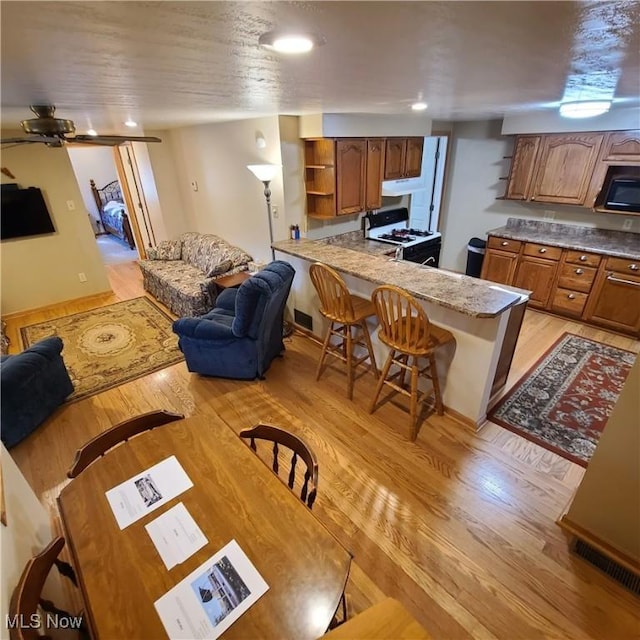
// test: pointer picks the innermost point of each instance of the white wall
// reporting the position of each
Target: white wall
(95, 163)
(229, 201)
(473, 183)
(367, 125)
(27, 532)
(42, 270)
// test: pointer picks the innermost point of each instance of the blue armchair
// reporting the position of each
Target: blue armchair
(243, 333)
(32, 384)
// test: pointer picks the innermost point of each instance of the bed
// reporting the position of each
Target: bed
(112, 210)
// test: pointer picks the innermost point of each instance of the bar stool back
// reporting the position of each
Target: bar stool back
(405, 328)
(345, 311)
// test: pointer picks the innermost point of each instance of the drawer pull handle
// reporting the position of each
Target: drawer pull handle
(634, 267)
(571, 296)
(622, 281)
(504, 244)
(543, 250)
(579, 272)
(583, 258)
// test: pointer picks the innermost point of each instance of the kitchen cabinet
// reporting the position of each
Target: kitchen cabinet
(621, 147)
(351, 158)
(500, 260)
(403, 158)
(320, 177)
(536, 271)
(615, 300)
(525, 152)
(374, 173)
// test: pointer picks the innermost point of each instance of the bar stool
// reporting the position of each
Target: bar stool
(344, 310)
(406, 330)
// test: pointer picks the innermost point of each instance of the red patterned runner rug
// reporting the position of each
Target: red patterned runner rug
(563, 402)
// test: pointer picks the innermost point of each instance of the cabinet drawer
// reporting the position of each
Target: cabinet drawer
(624, 265)
(503, 244)
(569, 302)
(542, 251)
(582, 258)
(576, 278)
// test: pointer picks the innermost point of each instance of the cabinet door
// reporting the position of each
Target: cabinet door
(565, 167)
(395, 150)
(537, 276)
(525, 152)
(615, 302)
(622, 146)
(351, 156)
(413, 157)
(375, 173)
(499, 266)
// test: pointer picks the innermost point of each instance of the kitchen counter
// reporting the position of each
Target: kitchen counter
(618, 244)
(466, 295)
(354, 240)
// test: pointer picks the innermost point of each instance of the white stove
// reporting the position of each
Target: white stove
(415, 245)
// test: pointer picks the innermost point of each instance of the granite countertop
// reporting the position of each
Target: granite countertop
(619, 244)
(356, 241)
(470, 296)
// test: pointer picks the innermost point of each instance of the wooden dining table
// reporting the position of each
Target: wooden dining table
(234, 496)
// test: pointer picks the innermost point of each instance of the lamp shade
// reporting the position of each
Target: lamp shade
(264, 172)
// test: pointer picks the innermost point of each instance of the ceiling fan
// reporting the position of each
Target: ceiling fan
(55, 132)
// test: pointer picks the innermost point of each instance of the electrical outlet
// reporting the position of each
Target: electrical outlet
(549, 215)
(627, 224)
(82, 277)
(71, 205)
(194, 185)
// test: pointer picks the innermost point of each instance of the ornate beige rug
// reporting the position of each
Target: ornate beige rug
(111, 345)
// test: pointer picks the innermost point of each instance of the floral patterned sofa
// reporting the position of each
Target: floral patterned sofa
(182, 273)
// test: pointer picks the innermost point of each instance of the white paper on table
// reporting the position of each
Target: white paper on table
(145, 492)
(176, 535)
(211, 598)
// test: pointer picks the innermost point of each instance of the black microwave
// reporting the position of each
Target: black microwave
(623, 194)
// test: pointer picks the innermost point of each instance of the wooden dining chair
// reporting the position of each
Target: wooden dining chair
(405, 328)
(347, 314)
(281, 438)
(27, 595)
(121, 432)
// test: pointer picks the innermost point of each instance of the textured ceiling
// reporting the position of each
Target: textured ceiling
(167, 64)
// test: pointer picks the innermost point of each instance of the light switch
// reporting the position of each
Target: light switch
(194, 185)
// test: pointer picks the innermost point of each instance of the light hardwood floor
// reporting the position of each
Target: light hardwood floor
(458, 526)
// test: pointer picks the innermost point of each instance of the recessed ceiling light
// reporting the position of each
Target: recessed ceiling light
(92, 132)
(584, 109)
(419, 106)
(131, 123)
(290, 42)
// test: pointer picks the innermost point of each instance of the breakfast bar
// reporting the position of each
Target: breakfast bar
(484, 317)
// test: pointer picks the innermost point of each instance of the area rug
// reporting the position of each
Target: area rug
(563, 402)
(111, 345)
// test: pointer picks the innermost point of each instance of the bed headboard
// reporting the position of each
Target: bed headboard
(108, 193)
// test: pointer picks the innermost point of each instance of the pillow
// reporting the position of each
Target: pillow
(219, 268)
(166, 250)
(113, 204)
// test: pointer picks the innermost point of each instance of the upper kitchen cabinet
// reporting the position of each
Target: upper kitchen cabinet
(403, 158)
(525, 152)
(621, 147)
(351, 159)
(375, 173)
(320, 177)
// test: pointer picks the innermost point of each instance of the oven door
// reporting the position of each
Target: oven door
(426, 253)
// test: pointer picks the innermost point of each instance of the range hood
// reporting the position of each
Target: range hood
(402, 186)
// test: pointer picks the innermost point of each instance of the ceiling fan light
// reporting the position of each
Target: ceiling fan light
(419, 106)
(130, 123)
(290, 43)
(92, 132)
(584, 109)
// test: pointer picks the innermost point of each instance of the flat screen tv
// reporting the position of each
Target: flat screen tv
(23, 212)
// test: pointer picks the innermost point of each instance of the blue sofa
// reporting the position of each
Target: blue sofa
(243, 333)
(32, 384)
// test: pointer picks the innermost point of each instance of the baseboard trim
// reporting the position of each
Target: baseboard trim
(98, 297)
(617, 556)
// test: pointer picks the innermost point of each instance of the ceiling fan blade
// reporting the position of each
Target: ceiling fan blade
(113, 139)
(42, 139)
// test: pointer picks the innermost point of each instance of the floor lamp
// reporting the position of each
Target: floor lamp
(265, 173)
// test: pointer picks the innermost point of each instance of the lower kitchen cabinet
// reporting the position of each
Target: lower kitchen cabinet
(536, 275)
(615, 300)
(500, 260)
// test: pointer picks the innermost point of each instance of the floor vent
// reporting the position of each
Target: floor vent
(620, 574)
(303, 319)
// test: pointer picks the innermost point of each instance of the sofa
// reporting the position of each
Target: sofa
(181, 273)
(32, 384)
(243, 333)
